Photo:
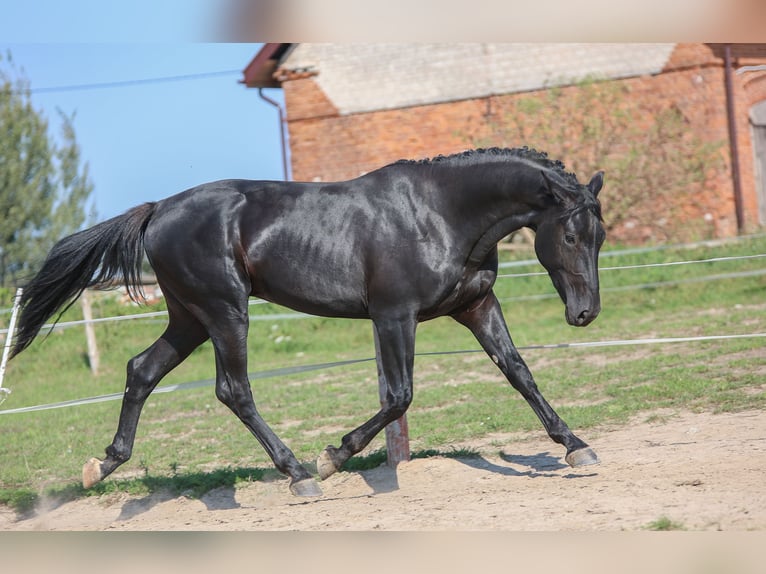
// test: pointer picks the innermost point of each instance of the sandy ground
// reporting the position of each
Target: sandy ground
(703, 471)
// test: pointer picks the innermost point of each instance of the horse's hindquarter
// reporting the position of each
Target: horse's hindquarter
(190, 240)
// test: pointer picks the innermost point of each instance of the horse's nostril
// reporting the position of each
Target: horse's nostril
(583, 316)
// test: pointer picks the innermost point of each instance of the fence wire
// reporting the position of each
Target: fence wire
(649, 285)
(284, 371)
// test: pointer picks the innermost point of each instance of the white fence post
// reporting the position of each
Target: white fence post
(4, 392)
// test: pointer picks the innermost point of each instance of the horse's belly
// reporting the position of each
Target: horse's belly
(315, 296)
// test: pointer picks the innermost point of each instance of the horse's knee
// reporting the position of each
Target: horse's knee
(398, 402)
(237, 400)
(139, 382)
(223, 394)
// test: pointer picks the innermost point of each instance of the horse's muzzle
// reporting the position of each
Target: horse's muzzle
(582, 303)
(583, 314)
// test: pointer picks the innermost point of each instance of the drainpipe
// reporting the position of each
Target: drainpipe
(274, 103)
(733, 147)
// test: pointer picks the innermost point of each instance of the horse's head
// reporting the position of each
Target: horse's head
(567, 243)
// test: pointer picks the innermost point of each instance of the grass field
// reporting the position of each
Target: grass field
(189, 442)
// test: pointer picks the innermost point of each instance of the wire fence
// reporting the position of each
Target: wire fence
(646, 285)
(648, 265)
(284, 371)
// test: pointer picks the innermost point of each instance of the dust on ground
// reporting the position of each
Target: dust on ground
(701, 471)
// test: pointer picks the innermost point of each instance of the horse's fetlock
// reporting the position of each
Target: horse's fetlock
(119, 455)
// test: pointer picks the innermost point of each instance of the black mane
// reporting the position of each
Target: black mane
(480, 155)
(475, 156)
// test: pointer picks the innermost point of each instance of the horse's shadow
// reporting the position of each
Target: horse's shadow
(222, 498)
(136, 506)
(540, 465)
(381, 480)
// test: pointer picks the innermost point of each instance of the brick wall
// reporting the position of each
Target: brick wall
(327, 146)
(342, 147)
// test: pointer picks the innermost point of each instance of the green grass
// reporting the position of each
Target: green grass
(187, 437)
(663, 523)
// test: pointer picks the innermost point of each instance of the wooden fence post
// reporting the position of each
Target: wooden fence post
(90, 332)
(398, 441)
(397, 432)
(397, 436)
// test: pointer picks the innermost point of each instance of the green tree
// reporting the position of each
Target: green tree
(44, 185)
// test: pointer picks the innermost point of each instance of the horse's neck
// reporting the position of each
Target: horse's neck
(502, 188)
(491, 236)
(494, 202)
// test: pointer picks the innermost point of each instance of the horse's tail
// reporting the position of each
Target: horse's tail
(107, 250)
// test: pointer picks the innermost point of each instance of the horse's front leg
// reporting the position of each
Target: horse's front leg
(486, 322)
(395, 354)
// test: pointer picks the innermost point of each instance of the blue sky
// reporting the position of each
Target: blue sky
(147, 141)
(109, 21)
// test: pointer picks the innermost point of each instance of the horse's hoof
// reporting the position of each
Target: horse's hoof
(582, 457)
(325, 466)
(91, 473)
(305, 487)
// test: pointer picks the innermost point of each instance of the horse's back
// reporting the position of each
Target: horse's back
(306, 246)
(335, 249)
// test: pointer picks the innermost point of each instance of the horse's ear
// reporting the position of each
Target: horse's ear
(556, 191)
(596, 183)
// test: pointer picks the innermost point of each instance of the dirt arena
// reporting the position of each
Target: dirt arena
(701, 471)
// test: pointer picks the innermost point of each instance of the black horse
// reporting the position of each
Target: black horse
(406, 243)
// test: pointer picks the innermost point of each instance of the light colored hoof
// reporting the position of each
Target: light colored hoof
(582, 457)
(91, 473)
(325, 465)
(305, 487)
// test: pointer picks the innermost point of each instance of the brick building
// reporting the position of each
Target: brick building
(679, 128)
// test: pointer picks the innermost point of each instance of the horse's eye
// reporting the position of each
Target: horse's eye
(570, 239)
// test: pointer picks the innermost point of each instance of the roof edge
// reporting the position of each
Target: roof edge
(259, 73)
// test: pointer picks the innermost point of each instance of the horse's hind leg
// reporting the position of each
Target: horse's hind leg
(395, 353)
(229, 336)
(183, 334)
(487, 324)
